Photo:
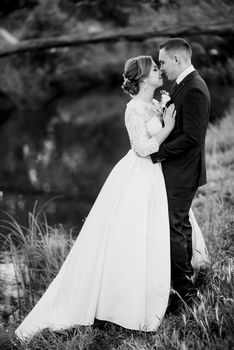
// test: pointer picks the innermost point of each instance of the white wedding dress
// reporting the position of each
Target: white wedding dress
(119, 267)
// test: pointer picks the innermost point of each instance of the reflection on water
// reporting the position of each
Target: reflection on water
(7, 276)
(68, 211)
(63, 152)
(8, 287)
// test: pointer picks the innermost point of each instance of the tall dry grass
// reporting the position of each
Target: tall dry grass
(37, 253)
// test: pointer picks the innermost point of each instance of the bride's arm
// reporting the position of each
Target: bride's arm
(141, 142)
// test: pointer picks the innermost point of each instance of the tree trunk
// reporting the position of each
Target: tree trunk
(216, 28)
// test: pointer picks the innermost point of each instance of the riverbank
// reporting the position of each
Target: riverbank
(209, 324)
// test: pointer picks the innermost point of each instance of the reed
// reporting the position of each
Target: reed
(37, 253)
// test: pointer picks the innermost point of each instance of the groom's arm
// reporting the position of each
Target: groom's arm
(195, 111)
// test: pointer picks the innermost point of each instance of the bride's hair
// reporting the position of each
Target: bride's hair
(135, 69)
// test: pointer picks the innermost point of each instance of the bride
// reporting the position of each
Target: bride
(119, 267)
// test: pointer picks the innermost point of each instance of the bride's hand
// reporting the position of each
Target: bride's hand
(169, 116)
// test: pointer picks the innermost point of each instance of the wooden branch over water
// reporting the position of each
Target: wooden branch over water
(218, 28)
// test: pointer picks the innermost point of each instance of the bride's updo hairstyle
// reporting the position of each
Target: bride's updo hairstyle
(135, 70)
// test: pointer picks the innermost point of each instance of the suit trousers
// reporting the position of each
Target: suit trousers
(179, 203)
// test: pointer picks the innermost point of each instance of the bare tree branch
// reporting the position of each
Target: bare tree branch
(8, 37)
(217, 28)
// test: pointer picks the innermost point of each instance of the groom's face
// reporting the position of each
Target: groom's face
(168, 64)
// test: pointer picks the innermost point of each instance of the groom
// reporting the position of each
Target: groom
(183, 158)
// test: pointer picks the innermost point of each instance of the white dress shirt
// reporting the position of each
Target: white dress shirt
(184, 74)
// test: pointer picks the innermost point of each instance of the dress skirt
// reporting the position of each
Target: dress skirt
(118, 269)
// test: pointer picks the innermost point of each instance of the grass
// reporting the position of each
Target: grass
(209, 324)
(37, 253)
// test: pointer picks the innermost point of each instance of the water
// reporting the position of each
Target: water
(63, 155)
(7, 276)
(8, 287)
(64, 152)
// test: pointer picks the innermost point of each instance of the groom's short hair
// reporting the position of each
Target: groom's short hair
(177, 44)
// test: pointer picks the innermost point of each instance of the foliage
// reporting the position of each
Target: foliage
(55, 72)
(46, 19)
(103, 10)
(27, 86)
(8, 6)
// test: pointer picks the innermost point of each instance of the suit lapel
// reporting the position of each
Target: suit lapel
(180, 86)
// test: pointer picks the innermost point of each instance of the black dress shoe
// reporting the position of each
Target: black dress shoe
(175, 305)
(178, 302)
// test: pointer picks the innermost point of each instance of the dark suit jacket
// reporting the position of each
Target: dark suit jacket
(183, 153)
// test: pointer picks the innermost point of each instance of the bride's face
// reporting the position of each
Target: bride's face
(155, 76)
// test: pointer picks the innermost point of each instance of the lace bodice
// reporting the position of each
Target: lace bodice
(143, 123)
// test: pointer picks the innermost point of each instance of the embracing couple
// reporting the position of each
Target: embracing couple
(138, 249)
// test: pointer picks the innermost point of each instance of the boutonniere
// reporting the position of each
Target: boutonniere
(165, 97)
